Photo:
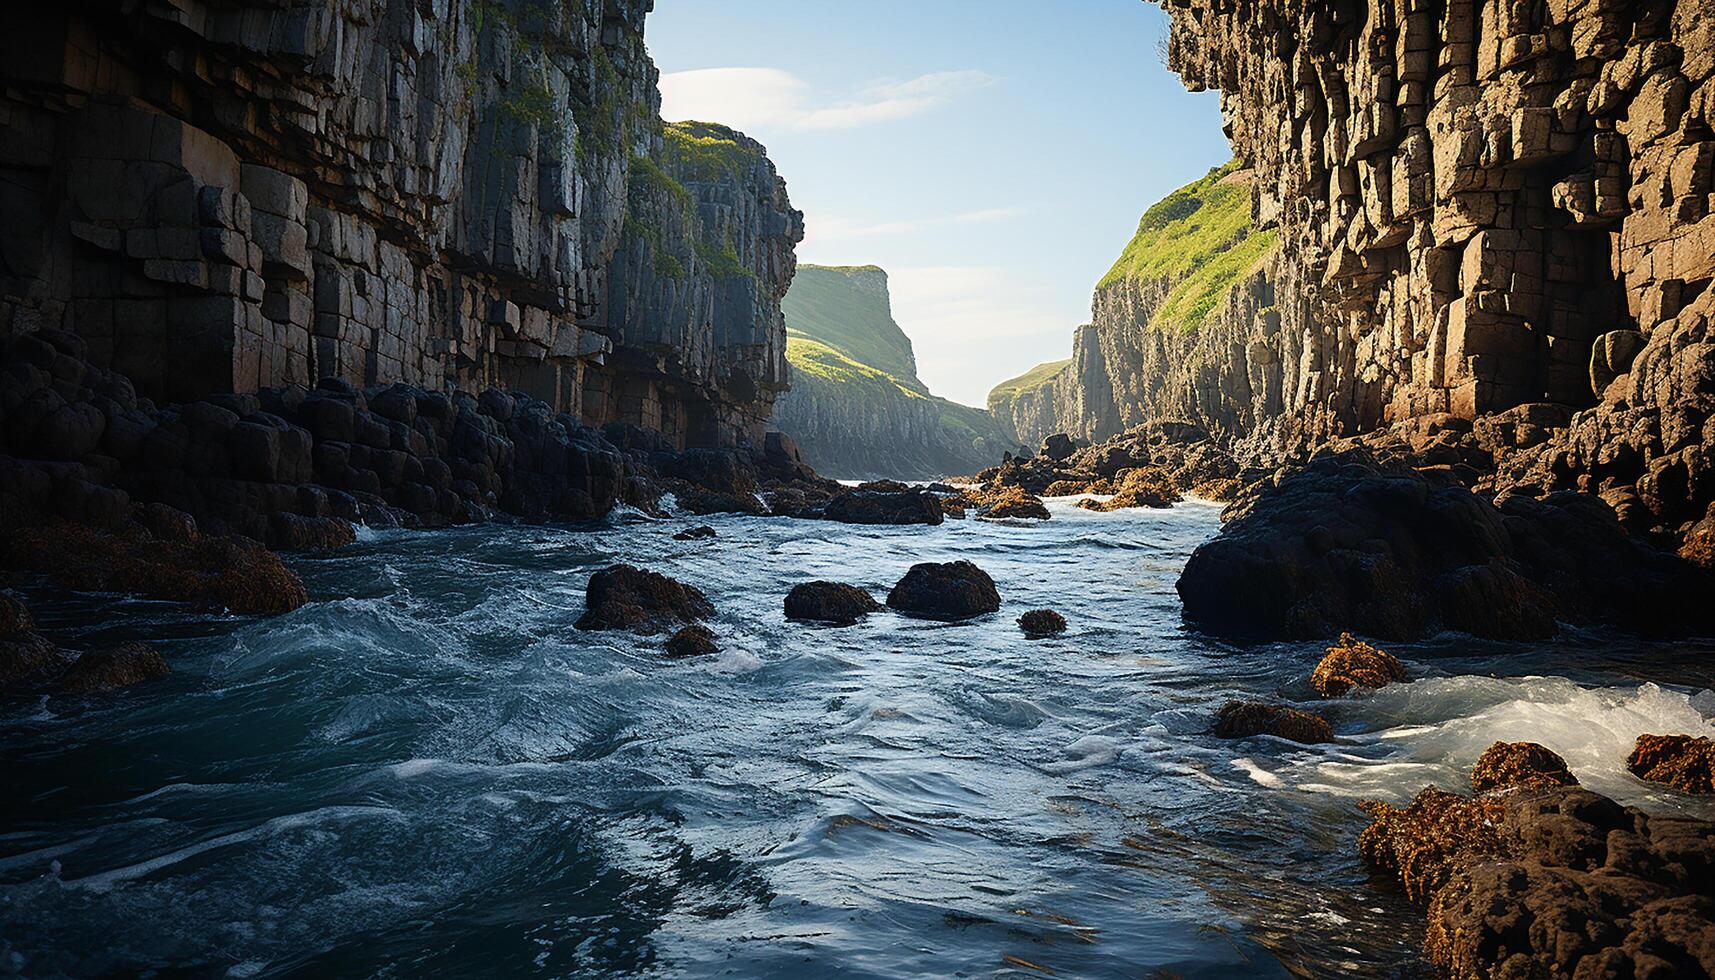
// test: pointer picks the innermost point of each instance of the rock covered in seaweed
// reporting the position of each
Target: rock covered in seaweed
(1354, 663)
(1538, 878)
(1685, 762)
(946, 591)
(109, 670)
(1244, 719)
(885, 507)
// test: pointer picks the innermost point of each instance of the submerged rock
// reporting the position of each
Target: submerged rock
(1354, 663)
(1685, 762)
(26, 657)
(869, 507)
(109, 670)
(1348, 543)
(14, 618)
(1508, 764)
(1244, 719)
(950, 591)
(1534, 879)
(1038, 623)
(692, 641)
(829, 602)
(699, 533)
(624, 597)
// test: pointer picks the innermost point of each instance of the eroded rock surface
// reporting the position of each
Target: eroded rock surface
(1352, 663)
(1244, 719)
(1532, 880)
(1684, 762)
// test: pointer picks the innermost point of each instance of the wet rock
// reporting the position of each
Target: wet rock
(1013, 503)
(166, 523)
(624, 597)
(1245, 719)
(692, 641)
(1539, 881)
(230, 573)
(109, 670)
(1143, 487)
(903, 507)
(829, 602)
(1059, 447)
(950, 591)
(1349, 543)
(1354, 663)
(699, 533)
(1039, 623)
(1685, 762)
(15, 619)
(1508, 764)
(293, 532)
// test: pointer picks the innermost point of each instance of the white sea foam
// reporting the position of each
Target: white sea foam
(1433, 730)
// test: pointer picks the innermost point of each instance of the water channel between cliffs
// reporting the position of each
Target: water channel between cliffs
(437, 774)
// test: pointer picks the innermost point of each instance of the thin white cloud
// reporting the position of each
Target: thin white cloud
(760, 99)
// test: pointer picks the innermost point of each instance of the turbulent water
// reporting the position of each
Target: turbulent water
(429, 771)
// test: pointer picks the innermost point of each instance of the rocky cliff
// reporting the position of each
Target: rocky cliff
(220, 198)
(1490, 210)
(857, 408)
(1179, 329)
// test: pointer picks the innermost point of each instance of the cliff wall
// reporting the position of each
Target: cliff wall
(1488, 207)
(857, 408)
(220, 198)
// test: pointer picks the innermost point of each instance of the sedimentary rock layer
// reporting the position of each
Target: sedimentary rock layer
(225, 198)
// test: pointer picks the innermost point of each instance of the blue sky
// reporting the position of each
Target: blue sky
(993, 155)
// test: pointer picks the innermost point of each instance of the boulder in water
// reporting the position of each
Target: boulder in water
(1012, 502)
(1245, 719)
(1040, 623)
(699, 533)
(1354, 663)
(951, 591)
(109, 670)
(624, 597)
(869, 507)
(692, 641)
(1685, 762)
(1508, 764)
(295, 532)
(829, 602)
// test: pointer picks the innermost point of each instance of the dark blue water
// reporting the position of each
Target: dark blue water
(428, 771)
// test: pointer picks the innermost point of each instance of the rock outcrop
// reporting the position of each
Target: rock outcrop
(856, 405)
(1389, 552)
(1480, 206)
(220, 199)
(1041, 623)
(1352, 663)
(1526, 879)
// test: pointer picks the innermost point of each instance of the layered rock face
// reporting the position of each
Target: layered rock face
(1187, 326)
(225, 198)
(857, 407)
(1484, 206)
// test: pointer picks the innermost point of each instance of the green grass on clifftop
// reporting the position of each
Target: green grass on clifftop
(1035, 378)
(1201, 237)
(708, 151)
(812, 359)
(847, 309)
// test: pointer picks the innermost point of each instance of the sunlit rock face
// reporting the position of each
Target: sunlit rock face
(1481, 206)
(222, 198)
